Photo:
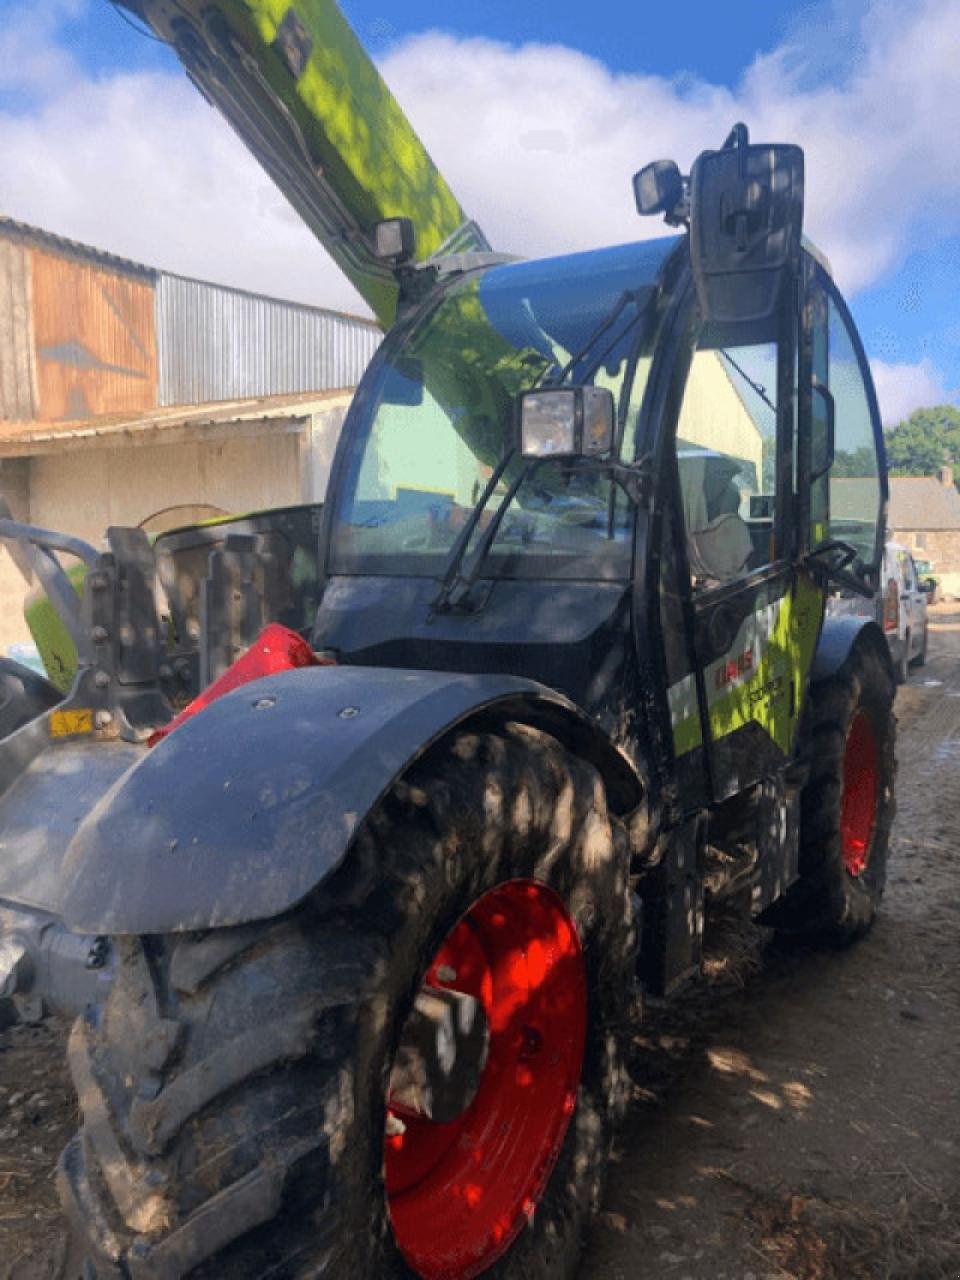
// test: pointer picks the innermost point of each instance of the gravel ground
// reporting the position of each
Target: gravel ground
(797, 1114)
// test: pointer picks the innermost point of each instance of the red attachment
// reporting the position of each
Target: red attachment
(275, 649)
(861, 788)
(460, 1193)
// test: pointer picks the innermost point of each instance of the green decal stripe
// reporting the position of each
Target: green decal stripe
(782, 639)
(772, 695)
(685, 715)
(762, 692)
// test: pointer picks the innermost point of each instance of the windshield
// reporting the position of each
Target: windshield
(438, 417)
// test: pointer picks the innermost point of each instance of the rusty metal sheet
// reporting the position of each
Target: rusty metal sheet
(18, 386)
(94, 339)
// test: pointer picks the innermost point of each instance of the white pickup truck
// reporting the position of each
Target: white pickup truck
(900, 607)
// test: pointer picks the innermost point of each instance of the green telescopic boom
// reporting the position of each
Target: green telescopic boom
(300, 90)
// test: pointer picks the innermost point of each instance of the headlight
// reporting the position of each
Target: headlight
(566, 422)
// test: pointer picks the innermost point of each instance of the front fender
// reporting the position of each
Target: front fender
(837, 638)
(242, 811)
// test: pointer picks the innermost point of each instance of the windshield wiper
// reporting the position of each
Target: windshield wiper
(757, 387)
(451, 576)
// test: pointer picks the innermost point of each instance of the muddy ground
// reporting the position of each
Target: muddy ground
(797, 1114)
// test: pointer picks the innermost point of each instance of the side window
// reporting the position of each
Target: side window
(846, 499)
(726, 459)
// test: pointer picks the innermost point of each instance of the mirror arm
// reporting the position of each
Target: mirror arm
(838, 572)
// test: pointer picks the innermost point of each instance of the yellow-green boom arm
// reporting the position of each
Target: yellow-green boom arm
(302, 93)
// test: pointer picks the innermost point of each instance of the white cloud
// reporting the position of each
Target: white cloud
(876, 159)
(140, 165)
(901, 388)
(538, 142)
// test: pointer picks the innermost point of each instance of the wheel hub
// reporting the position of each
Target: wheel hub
(461, 1190)
(861, 789)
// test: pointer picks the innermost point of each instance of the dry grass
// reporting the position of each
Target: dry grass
(808, 1238)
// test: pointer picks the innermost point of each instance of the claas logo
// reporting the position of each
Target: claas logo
(732, 670)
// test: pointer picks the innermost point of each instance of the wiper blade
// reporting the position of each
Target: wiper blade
(456, 593)
(757, 387)
(452, 572)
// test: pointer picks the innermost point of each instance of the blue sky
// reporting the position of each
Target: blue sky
(618, 84)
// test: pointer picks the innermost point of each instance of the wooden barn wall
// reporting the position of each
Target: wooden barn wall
(94, 338)
(18, 387)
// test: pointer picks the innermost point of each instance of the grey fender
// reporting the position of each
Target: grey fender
(837, 639)
(244, 809)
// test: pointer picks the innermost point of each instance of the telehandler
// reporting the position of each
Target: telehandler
(355, 947)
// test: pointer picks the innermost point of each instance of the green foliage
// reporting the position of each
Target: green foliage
(924, 442)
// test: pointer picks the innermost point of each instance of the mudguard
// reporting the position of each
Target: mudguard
(245, 809)
(837, 638)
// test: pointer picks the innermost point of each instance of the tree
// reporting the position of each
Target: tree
(924, 442)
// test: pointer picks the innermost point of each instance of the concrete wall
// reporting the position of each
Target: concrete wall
(239, 467)
(85, 491)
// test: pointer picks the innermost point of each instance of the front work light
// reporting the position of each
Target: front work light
(566, 422)
(395, 240)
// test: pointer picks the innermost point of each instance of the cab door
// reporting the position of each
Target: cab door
(730, 467)
(842, 477)
(756, 615)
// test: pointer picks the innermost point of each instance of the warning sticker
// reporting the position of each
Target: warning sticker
(69, 724)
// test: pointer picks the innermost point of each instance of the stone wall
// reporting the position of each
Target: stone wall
(942, 548)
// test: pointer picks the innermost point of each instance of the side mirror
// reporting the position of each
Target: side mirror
(658, 188)
(566, 422)
(746, 217)
(929, 586)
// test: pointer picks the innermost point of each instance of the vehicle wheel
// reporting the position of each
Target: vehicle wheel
(234, 1085)
(921, 658)
(902, 666)
(847, 805)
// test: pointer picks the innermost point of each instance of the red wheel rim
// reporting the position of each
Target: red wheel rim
(460, 1193)
(861, 786)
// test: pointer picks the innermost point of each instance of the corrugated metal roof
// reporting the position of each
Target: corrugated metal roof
(18, 439)
(24, 233)
(922, 503)
(217, 343)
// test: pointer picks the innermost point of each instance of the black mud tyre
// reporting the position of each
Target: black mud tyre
(921, 658)
(847, 805)
(233, 1086)
(901, 667)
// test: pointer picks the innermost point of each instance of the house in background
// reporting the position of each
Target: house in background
(924, 515)
(130, 396)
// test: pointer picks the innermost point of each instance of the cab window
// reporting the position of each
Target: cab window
(846, 500)
(726, 454)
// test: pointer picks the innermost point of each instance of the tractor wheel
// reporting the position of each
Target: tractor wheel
(847, 805)
(238, 1088)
